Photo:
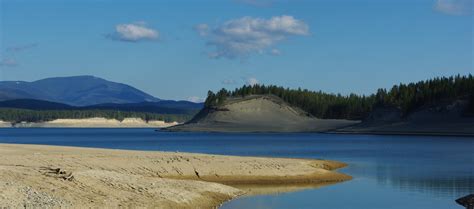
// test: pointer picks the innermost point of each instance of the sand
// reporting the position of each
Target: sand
(35, 176)
(97, 123)
(4, 124)
(258, 114)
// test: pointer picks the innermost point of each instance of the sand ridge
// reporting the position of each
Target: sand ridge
(120, 178)
(4, 124)
(94, 123)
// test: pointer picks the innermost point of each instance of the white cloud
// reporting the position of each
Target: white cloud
(275, 52)
(238, 38)
(134, 32)
(202, 29)
(454, 7)
(251, 81)
(8, 62)
(195, 99)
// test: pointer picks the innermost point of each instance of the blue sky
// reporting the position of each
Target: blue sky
(180, 49)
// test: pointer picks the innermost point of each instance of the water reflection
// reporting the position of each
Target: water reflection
(453, 187)
(251, 190)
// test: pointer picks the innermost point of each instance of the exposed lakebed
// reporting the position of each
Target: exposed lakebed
(389, 171)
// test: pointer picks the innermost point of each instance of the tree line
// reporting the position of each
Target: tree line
(23, 115)
(406, 97)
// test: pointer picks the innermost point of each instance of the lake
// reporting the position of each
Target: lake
(403, 172)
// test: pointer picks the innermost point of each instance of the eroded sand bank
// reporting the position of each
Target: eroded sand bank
(51, 176)
(95, 123)
(258, 114)
(4, 124)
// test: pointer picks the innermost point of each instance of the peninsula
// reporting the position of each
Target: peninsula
(35, 176)
(440, 106)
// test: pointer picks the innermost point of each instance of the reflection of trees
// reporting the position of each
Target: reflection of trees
(454, 187)
(425, 181)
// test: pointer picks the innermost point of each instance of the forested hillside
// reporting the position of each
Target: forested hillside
(406, 97)
(30, 110)
(161, 107)
(24, 115)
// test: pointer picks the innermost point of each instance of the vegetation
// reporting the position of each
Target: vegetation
(217, 99)
(20, 115)
(470, 108)
(407, 97)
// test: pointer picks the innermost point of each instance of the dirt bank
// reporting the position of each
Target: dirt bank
(258, 114)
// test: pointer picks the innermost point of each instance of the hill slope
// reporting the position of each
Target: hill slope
(443, 118)
(257, 114)
(34, 104)
(76, 91)
(39, 111)
(438, 106)
(162, 107)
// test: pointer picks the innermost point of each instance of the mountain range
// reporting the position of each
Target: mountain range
(74, 91)
(160, 107)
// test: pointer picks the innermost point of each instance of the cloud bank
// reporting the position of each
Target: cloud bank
(238, 38)
(133, 32)
(454, 7)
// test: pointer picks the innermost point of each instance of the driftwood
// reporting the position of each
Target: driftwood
(58, 173)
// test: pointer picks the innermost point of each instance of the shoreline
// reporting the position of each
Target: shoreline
(91, 123)
(57, 176)
(401, 133)
(388, 133)
(166, 129)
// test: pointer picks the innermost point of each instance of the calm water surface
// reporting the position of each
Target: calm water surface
(403, 172)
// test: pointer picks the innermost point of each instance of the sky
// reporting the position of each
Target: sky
(181, 49)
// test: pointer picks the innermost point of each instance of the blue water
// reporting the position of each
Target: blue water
(403, 172)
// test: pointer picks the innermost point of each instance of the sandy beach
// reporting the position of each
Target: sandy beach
(36, 176)
(4, 124)
(91, 123)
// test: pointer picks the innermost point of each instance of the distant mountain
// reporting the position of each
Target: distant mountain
(33, 104)
(76, 91)
(160, 107)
